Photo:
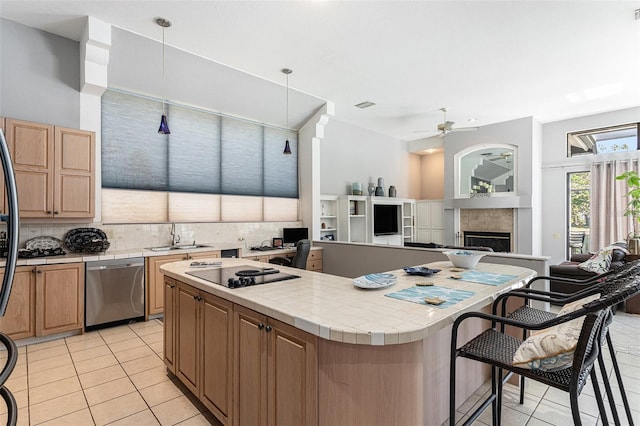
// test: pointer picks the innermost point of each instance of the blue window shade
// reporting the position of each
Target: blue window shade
(194, 151)
(242, 157)
(134, 155)
(205, 152)
(281, 171)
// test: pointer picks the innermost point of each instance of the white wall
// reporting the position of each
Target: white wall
(555, 166)
(39, 76)
(519, 132)
(352, 154)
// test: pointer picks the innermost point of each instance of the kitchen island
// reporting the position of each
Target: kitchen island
(317, 350)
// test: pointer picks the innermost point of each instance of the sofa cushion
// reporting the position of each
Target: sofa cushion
(600, 262)
(552, 349)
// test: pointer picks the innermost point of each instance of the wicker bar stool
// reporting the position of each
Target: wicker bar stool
(604, 285)
(497, 349)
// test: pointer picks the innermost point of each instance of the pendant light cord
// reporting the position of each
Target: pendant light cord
(163, 95)
(288, 101)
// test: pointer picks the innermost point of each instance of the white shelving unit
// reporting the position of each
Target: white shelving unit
(352, 218)
(408, 220)
(329, 217)
(386, 239)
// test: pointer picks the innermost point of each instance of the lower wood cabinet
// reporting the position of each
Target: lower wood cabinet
(247, 368)
(203, 343)
(155, 278)
(46, 299)
(275, 372)
(19, 321)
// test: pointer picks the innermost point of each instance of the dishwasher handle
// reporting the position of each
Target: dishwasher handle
(106, 267)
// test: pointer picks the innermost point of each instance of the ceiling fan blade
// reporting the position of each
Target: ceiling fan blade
(463, 129)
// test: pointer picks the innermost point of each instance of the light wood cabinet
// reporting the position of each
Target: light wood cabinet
(275, 372)
(314, 261)
(45, 300)
(54, 169)
(169, 323)
(155, 278)
(155, 281)
(246, 368)
(59, 298)
(19, 319)
(203, 347)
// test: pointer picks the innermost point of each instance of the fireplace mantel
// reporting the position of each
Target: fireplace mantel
(492, 202)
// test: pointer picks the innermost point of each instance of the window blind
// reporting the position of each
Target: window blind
(206, 153)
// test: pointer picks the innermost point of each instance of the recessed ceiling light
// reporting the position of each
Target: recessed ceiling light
(365, 104)
(472, 119)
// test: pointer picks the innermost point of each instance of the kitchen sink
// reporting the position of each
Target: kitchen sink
(177, 247)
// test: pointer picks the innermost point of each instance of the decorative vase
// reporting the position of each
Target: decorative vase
(381, 182)
(379, 191)
(371, 188)
(356, 188)
(392, 191)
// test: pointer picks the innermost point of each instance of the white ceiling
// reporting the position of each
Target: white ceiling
(492, 61)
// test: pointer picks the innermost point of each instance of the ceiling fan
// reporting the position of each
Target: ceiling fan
(505, 155)
(447, 126)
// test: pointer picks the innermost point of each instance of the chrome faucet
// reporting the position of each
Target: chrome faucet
(175, 238)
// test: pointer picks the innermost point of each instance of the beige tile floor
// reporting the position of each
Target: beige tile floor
(116, 376)
(113, 376)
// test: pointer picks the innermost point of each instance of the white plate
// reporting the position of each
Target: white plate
(371, 281)
(43, 243)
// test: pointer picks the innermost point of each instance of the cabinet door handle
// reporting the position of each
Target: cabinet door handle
(195, 297)
(39, 271)
(260, 326)
(56, 212)
(172, 285)
(34, 270)
(48, 211)
(268, 329)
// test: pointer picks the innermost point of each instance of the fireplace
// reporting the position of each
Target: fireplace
(498, 241)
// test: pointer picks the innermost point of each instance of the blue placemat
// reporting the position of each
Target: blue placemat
(417, 295)
(486, 277)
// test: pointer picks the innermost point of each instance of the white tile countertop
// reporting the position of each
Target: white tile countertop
(71, 257)
(332, 308)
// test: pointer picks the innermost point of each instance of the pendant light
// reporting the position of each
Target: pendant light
(287, 147)
(164, 126)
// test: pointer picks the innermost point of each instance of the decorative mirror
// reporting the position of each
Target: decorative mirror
(486, 170)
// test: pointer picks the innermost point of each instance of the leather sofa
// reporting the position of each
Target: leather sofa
(570, 270)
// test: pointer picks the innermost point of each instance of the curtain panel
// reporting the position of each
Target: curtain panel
(609, 201)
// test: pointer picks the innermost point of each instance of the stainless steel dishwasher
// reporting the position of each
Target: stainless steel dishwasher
(114, 292)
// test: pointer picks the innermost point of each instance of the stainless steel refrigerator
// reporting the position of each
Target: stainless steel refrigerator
(13, 228)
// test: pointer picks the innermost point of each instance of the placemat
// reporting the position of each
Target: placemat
(417, 295)
(486, 277)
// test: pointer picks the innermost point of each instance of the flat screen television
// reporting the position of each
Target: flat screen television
(385, 219)
(293, 235)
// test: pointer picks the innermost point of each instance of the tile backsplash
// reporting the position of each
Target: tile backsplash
(134, 236)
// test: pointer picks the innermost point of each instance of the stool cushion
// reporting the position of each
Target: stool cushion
(552, 349)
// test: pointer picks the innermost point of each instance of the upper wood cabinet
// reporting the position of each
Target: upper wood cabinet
(54, 168)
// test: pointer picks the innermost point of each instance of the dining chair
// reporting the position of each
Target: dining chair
(496, 348)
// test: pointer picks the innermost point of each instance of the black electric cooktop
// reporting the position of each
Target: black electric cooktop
(242, 276)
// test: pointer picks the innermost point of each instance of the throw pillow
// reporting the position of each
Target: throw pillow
(552, 349)
(601, 260)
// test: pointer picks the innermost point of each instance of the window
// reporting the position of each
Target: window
(210, 168)
(579, 211)
(601, 141)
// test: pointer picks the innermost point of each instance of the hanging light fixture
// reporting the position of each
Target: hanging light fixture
(164, 126)
(287, 147)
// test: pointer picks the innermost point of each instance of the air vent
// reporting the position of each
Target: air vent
(365, 104)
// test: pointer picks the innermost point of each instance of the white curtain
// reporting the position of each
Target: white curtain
(608, 202)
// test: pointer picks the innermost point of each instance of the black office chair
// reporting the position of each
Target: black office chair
(299, 260)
